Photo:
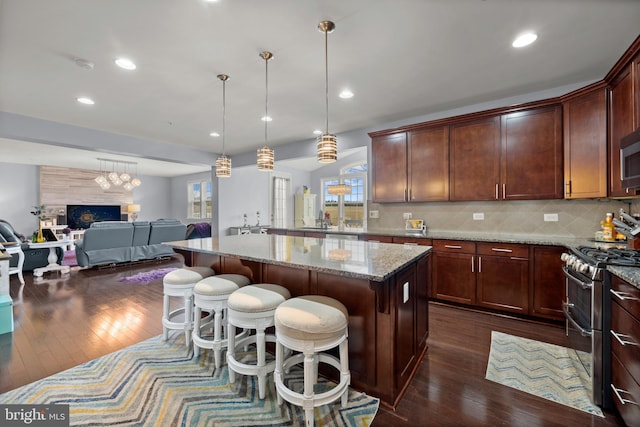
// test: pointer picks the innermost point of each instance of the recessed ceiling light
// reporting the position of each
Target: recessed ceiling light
(125, 63)
(524, 40)
(317, 132)
(214, 134)
(84, 100)
(346, 94)
(266, 119)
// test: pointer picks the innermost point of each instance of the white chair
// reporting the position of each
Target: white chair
(211, 294)
(311, 325)
(16, 249)
(252, 308)
(180, 283)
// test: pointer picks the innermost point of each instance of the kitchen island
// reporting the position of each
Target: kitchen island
(384, 287)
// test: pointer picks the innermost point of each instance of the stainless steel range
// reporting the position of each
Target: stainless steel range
(587, 308)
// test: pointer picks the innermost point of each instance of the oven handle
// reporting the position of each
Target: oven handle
(565, 308)
(570, 275)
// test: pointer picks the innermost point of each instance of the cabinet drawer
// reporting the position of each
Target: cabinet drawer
(624, 387)
(504, 249)
(628, 296)
(454, 246)
(420, 241)
(625, 339)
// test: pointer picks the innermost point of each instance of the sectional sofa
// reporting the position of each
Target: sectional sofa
(114, 242)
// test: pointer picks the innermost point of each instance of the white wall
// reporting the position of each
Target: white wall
(19, 193)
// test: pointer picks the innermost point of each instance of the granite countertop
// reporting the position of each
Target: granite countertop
(353, 258)
(629, 274)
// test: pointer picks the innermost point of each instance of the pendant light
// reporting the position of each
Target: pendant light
(265, 154)
(223, 163)
(327, 147)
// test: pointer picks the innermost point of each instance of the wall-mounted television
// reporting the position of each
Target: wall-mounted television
(82, 216)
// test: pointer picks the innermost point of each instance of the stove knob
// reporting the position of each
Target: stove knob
(584, 268)
(564, 257)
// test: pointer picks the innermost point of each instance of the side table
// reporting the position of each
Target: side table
(53, 257)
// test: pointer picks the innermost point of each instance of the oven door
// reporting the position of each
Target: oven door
(577, 309)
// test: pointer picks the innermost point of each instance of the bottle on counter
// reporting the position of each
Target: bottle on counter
(608, 229)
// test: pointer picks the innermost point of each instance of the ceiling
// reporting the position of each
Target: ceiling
(401, 58)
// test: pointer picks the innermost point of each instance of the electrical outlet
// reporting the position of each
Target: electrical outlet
(478, 216)
(552, 217)
(374, 214)
(407, 215)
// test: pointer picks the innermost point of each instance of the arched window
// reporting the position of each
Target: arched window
(348, 209)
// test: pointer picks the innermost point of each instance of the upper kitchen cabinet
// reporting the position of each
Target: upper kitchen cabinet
(475, 159)
(585, 144)
(389, 169)
(621, 123)
(411, 166)
(531, 163)
(428, 159)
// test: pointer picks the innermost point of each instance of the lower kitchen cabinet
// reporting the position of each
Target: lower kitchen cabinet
(547, 286)
(453, 276)
(503, 277)
(625, 349)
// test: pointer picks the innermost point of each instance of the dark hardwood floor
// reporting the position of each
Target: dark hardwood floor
(62, 322)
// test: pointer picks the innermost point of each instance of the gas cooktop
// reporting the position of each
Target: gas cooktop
(610, 256)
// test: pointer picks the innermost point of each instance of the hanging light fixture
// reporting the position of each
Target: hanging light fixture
(136, 181)
(223, 163)
(339, 189)
(327, 147)
(265, 154)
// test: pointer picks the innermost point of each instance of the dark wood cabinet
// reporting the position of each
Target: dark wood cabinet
(428, 164)
(585, 145)
(547, 290)
(531, 157)
(625, 350)
(636, 72)
(406, 303)
(621, 123)
(376, 238)
(475, 160)
(503, 277)
(389, 168)
(454, 276)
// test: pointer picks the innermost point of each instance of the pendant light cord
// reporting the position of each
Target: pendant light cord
(326, 79)
(266, 97)
(224, 112)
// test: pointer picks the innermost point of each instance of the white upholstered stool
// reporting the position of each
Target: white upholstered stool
(211, 294)
(252, 308)
(180, 283)
(310, 325)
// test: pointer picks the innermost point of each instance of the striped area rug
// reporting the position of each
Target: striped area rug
(545, 370)
(156, 383)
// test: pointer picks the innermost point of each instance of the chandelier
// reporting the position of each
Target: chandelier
(223, 163)
(339, 189)
(327, 145)
(116, 173)
(265, 154)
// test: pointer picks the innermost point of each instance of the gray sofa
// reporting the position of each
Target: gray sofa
(33, 258)
(114, 242)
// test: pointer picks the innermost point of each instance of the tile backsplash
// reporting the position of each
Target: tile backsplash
(575, 218)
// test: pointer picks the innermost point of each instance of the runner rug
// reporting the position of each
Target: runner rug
(549, 371)
(148, 276)
(156, 383)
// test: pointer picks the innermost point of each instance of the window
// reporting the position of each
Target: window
(280, 193)
(199, 199)
(350, 209)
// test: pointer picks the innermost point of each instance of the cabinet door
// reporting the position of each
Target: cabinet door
(405, 295)
(548, 282)
(475, 160)
(585, 146)
(389, 169)
(620, 124)
(532, 164)
(503, 283)
(454, 277)
(428, 173)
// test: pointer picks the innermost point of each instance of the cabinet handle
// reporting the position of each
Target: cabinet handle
(479, 264)
(569, 189)
(501, 250)
(504, 191)
(624, 341)
(623, 296)
(617, 392)
(496, 191)
(517, 258)
(453, 247)
(473, 264)
(410, 194)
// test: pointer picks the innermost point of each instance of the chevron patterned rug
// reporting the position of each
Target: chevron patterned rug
(156, 383)
(545, 370)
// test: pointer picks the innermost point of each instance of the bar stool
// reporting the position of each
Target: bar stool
(252, 308)
(180, 283)
(211, 294)
(311, 324)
